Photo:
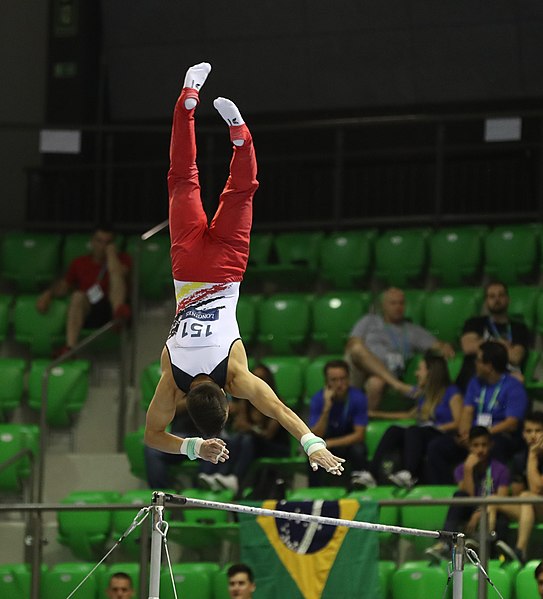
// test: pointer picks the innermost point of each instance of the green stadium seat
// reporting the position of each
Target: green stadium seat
(11, 391)
(314, 374)
(346, 257)
(5, 303)
(288, 372)
(400, 256)
(246, 316)
(75, 245)
(410, 582)
(525, 584)
(334, 315)
(86, 532)
(386, 570)
(15, 581)
(13, 439)
(523, 304)
(189, 580)
(154, 265)
(203, 527)
(283, 322)
(446, 310)
(260, 249)
(388, 514)
(30, 259)
(67, 389)
(130, 568)
(511, 253)
(455, 254)
(149, 378)
(499, 576)
(41, 332)
(316, 493)
(61, 579)
(454, 365)
(428, 517)
(377, 428)
(220, 584)
(414, 304)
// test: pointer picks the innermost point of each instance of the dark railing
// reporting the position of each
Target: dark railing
(331, 174)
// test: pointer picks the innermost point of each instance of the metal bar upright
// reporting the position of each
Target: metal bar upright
(156, 546)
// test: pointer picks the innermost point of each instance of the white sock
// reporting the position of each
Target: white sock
(230, 113)
(195, 78)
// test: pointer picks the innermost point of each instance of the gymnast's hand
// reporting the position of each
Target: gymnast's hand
(214, 450)
(326, 460)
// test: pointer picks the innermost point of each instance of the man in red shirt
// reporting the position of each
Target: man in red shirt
(98, 282)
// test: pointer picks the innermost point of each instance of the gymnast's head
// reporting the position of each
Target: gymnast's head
(207, 406)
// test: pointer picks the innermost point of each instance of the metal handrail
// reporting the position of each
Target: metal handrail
(15, 458)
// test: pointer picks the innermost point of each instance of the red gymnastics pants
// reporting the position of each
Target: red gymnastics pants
(217, 253)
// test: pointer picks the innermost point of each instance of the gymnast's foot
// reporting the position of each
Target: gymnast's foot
(194, 79)
(230, 113)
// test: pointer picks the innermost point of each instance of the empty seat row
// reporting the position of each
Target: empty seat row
(67, 387)
(343, 259)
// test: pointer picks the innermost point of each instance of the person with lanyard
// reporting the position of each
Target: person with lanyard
(477, 476)
(339, 414)
(379, 348)
(497, 326)
(494, 399)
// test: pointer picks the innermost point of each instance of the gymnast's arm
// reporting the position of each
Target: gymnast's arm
(244, 384)
(162, 411)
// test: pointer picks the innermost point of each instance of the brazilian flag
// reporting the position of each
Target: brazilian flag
(306, 560)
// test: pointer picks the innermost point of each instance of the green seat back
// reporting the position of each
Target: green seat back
(455, 254)
(134, 449)
(30, 259)
(500, 577)
(388, 514)
(428, 517)
(386, 570)
(283, 322)
(130, 568)
(299, 248)
(75, 245)
(523, 304)
(316, 493)
(189, 581)
(41, 332)
(67, 389)
(511, 252)
(220, 584)
(246, 317)
(525, 583)
(532, 361)
(289, 372)
(205, 515)
(314, 374)
(414, 304)
(334, 315)
(5, 303)
(12, 377)
(400, 256)
(13, 439)
(377, 428)
(454, 365)
(154, 264)
(446, 310)
(61, 579)
(86, 532)
(346, 257)
(15, 581)
(149, 378)
(420, 581)
(260, 248)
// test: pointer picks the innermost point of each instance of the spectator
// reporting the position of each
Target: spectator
(120, 586)
(495, 326)
(241, 582)
(253, 436)
(380, 347)
(339, 414)
(477, 476)
(158, 463)
(493, 399)
(527, 481)
(98, 285)
(538, 574)
(437, 412)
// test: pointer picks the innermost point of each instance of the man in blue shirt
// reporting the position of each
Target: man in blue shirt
(494, 399)
(339, 414)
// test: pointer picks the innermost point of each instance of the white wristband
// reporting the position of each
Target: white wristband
(312, 443)
(191, 447)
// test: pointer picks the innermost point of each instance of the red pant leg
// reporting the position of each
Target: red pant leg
(232, 222)
(188, 220)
